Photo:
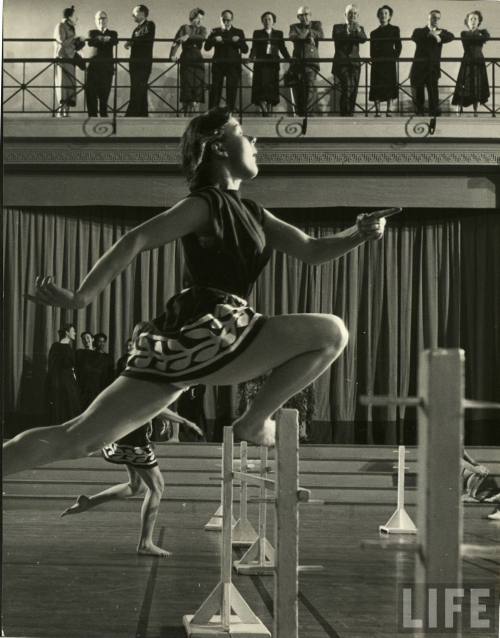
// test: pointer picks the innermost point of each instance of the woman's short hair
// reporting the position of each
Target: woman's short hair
(350, 7)
(194, 13)
(86, 332)
(227, 11)
(195, 146)
(385, 6)
(65, 328)
(477, 13)
(68, 12)
(268, 13)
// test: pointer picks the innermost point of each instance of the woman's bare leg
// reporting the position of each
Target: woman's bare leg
(298, 349)
(133, 487)
(121, 408)
(153, 480)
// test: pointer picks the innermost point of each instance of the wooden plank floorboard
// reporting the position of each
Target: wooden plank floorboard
(79, 577)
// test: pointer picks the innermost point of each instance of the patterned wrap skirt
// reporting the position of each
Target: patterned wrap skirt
(202, 330)
(134, 455)
(133, 449)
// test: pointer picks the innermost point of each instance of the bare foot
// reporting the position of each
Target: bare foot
(150, 549)
(263, 433)
(82, 504)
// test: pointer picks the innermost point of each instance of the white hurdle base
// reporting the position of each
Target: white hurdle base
(258, 559)
(215, 523)
(399, 523)
(214, 630)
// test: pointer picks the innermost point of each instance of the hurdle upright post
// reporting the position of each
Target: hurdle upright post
(440, 447)
(286, 583)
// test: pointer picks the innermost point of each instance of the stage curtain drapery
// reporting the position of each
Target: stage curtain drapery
(432, 282)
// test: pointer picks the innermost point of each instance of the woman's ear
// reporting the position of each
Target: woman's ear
(217, 148)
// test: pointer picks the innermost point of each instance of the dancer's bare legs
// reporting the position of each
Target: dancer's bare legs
(121, 408)
(297, 348)
(153, 480)
(147, 481)
(133, 487)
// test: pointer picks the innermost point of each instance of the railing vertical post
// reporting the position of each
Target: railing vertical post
(493, 84)
(23, 92)
(366, 87)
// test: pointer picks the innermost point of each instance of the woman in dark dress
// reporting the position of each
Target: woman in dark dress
(63, 396)
(267, 44)
(192, 70)
(472, 86)
(208, 334)
(87, 370)
(385, 49)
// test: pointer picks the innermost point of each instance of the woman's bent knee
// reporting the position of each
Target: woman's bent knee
(335, 337)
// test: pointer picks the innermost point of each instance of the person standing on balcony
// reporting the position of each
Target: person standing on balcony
(346, 66)
(385, 49)
(267, 44)
(426, 68)
(472, 83)
(228, 44)
(192, 70)
(305, 36)
(141, 61)
(100, 67)
(66, 45)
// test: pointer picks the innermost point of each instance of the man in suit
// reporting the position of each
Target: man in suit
(141, 61)
(100, 65)
(346, 66)
(305, 36)
(425, 70)
(228, 44)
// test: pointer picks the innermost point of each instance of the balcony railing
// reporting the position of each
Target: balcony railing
(29, 86)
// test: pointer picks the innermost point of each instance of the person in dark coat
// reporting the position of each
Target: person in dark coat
(305, 36)
(141, 61)
(192, 70)
(267, 44)
(87, 370)
(426, 68)
(100, 66)
(228, 44)
(104, 363)
(385, 49)
(121, 364)
(346, 66)
(63, 397)
(472, 86)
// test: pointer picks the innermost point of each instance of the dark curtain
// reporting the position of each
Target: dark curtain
(432, 282)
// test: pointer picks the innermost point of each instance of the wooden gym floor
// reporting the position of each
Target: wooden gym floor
(79, 577)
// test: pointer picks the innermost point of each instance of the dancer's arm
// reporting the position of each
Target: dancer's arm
(188, 216)
(166, 413)
(316, 250)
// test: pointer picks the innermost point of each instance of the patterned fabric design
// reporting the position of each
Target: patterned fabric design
(192, 350)
(139, 456)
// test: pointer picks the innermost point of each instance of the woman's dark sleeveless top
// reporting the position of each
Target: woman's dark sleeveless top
(209, 323)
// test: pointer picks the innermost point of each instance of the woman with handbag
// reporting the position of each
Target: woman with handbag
(66, 46)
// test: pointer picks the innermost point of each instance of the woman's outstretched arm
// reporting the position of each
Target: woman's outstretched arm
(189, 215)
(316, 250)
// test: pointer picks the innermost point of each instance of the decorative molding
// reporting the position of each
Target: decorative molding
(284, 154)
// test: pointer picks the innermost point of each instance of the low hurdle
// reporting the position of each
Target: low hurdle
(400, 522)
(225, 612)
(440, 409)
